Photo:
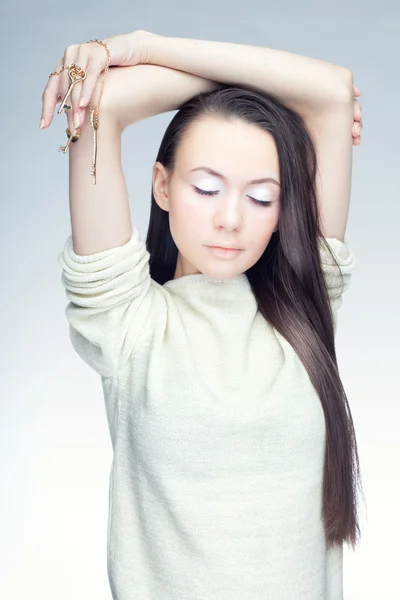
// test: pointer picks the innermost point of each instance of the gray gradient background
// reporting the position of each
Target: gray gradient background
(56, 452)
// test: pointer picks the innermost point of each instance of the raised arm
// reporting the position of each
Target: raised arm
(100, 214)
(137, 92)
(113, 303)
(302, 83)
(320, 91)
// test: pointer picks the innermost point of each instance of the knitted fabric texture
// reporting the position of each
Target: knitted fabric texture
(218, 435)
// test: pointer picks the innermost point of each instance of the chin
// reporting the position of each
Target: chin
(221, 272)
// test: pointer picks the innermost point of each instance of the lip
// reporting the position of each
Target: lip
(224, 247)
(224, 252)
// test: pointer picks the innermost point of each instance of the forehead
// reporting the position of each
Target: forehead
(239, 150)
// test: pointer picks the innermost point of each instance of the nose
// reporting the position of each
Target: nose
(228, 212)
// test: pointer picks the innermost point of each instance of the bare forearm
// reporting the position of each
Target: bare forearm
(100, 214)
(138, 92)
(301, 83)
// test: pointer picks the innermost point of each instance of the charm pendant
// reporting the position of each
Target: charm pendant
(94, 121)
(75, 74)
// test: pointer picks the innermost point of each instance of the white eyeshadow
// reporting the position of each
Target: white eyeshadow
(208, 185)
(211, 185)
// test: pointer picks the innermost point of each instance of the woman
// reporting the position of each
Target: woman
(235, 462)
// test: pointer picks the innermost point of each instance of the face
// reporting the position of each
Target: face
(213, 198)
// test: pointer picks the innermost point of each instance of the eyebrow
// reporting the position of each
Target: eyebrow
(212, 172)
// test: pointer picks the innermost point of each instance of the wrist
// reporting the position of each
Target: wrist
(150, 47)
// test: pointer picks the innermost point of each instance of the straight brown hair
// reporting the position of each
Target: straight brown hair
(287, 281)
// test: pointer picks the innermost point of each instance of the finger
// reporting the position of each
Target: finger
(50, 96)
(70, 55)
(357, 110)
(356, 129)
(96, 65)
(81, 60)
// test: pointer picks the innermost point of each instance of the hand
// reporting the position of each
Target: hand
(358, 122)
(125, 50)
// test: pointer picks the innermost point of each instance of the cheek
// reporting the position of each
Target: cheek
(262, 226)
(185, 216)
(188, 207)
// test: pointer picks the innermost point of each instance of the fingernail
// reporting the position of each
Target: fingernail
(41, 124)
(82, 102)
(76, 120)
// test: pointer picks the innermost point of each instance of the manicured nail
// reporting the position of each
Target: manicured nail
(82, 102)
(42, 124)
(76, 120)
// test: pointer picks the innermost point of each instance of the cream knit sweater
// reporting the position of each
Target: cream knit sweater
(218, 435)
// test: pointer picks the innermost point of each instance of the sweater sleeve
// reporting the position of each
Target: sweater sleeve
(337, 278)
(112, 299)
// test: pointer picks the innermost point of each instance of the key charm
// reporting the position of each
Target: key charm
(94, 121)
(75, 74)
(71, 138)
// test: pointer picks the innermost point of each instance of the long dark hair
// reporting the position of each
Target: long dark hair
(287, 281)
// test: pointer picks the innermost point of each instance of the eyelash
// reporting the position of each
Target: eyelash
(259, 202)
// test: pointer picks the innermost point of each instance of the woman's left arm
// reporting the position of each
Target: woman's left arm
(304, 84)
(322, 93)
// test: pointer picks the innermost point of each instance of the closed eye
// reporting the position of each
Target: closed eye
(208, 193)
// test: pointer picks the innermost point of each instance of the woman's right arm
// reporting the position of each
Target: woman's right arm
(114, 304)
(138, 92)
(100, 215)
